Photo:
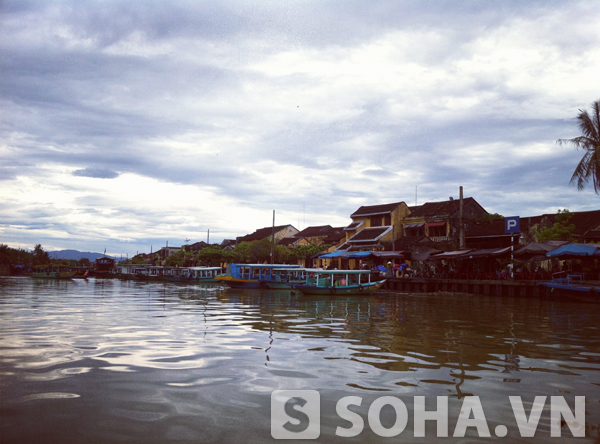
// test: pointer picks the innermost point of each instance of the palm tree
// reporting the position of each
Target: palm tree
(589, 166)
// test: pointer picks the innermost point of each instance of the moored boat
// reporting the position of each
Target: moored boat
(193, 274)
(52, 272)
(572, 287)
(150, 273)
(265, 276)
(337, 282)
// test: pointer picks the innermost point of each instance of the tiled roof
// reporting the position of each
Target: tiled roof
(354, 225)
(376, 209)
(448, 207)
(586, 223)
(287, 241)
(314, 231)
(369, 234)
(334, 236)
(262, 233)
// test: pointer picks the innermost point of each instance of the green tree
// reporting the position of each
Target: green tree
(178, 259)
(40, 256)
(490, 217)
(240, 254)
(210, 256)
(260, 251)
(589, 141)
(139, 259)
(84, 262)
(301, 252)
(560, 230)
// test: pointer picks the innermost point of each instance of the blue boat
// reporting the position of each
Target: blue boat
(572, 287)
(265, 276)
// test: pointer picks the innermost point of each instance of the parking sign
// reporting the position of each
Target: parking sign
(512, 225)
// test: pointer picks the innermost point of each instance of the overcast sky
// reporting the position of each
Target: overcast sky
(127, 124)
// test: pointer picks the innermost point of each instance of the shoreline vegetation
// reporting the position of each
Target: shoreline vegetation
(210, 256)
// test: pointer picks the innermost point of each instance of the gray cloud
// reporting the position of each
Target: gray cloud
(98, 173)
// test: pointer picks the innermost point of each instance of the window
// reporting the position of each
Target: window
(376, 221)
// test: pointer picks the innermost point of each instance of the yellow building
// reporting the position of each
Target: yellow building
(374, 224)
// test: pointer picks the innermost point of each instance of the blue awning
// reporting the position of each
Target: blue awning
(574, 250)
(359, 254)
(332, 254)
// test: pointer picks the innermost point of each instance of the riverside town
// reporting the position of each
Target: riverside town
(453, 245)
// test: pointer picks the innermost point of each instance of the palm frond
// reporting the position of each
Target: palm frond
(589, 166)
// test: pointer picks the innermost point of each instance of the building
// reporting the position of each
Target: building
(280, 232)
(441, 221)
(373, 225)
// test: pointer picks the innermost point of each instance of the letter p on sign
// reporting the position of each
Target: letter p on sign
(512, 225)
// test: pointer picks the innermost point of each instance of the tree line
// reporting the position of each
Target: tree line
(245, 252)
(37, 256)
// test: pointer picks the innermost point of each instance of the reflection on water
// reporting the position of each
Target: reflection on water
(111, 361)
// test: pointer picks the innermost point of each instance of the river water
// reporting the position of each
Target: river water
(110, 361)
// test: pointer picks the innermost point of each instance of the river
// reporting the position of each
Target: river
(110, 361)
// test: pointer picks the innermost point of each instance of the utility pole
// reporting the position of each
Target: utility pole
(462, 221)
(273, 240)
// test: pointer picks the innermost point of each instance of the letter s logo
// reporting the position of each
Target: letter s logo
(295, 414)
(303, 421)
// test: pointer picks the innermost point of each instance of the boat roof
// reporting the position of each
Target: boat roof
(267, 265)
(322, 271)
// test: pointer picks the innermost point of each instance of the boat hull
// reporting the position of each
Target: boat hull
(186, 280)
(240, 283)
(575, 293)
(345, 290)
(54, 275)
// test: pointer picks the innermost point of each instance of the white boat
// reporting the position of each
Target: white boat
(192, 274)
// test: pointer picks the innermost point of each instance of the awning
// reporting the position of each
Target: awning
(575, 251)
(478, 254)
(448, 255)
(414, 225)
(424, 255)
(537, 248)
(359, 254)
(435, 224)
(332, 254)
(388, 254)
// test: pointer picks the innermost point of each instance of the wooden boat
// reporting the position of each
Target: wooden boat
(150, 273)
(52, 272)
(337, 282)
(283, 277)
(104, 268)
(572, 287)
(192, 274)
(256, 275)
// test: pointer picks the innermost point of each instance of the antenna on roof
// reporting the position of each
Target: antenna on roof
(415, 195)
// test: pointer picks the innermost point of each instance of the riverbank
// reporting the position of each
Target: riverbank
(525, 289)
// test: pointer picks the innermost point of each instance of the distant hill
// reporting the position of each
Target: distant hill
(75, 255)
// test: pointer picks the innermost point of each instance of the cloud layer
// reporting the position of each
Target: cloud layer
(129, 124)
